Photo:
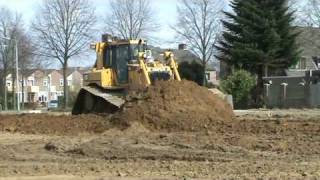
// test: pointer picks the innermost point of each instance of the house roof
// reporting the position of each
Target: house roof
(48, 71)
(309, 42)
(180, 55)
(73, 69)
(29, 72)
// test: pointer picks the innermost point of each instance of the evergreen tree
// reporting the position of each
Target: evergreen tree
(259, 37)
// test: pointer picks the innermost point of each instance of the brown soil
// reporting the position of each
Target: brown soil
(171, 105)
(261, 148)
(180, 131)
(48, 124)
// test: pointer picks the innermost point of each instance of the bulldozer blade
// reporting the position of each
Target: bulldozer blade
(94, 100)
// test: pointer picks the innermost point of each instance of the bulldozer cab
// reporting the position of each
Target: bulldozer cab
(118, 56)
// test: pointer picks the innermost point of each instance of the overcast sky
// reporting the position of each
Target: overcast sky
(165, 11)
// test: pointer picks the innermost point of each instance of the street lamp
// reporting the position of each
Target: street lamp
(17, 70)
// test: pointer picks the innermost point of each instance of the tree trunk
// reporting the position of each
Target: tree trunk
(204, 67)
(65, 85)
(204, 81)
(259, 88)
(5, 92)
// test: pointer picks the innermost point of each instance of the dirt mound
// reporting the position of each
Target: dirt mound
(171, 105)
(168, 105)
(59, 125)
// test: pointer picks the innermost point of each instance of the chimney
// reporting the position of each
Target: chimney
(106, 38)
(182, 47)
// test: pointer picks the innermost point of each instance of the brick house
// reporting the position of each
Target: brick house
(74, 78)
(184, 55)
(41, 86)
(45, 85)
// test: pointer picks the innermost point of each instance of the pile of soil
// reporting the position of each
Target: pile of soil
(172, 105)
(168, 106)
(55, 125)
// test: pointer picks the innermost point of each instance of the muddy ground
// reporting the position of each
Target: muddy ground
(256, 145)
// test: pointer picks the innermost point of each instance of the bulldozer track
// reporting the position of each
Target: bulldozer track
(92, 99)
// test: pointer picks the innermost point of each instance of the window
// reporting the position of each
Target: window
(45, 82)
(122, 63)
(61, 82)
(69, 82)
(208, 76)
(30, 82)
(302, 64)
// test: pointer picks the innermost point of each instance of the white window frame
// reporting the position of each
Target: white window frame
(31, 82)
(45, 82)
(208, 76)
(61, 82)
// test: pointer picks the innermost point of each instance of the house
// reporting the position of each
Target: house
(211, 75)
(44, 85)
(300, 86)
(9, 83)
(74, 78)
(184, 55)
(52, 84)
(309, 41)
(41, 86)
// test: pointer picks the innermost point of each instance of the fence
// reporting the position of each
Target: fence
(292, 92)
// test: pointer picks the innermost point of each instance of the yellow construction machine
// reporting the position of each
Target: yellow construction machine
(121, 66)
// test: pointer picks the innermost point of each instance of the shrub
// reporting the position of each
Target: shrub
(191, 71)
(239, 84)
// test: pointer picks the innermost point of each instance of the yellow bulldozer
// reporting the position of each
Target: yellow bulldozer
(121, 66)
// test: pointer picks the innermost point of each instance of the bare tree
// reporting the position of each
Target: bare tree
(9, 23)
(200, 26)
(27, 59)
(64, 29)
(310, 13)
(131, 19)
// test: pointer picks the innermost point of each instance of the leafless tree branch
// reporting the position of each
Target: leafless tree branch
(199, 24)
(9, 24)
(131, 19)
(64, 28)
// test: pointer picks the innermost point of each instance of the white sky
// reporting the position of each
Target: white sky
(165, 12)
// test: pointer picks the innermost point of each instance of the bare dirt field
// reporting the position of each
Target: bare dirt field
(280, 144)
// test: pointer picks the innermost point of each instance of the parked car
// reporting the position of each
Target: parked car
(53, 104)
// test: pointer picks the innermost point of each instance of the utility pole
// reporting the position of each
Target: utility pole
(17, 74)
(49, 90)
